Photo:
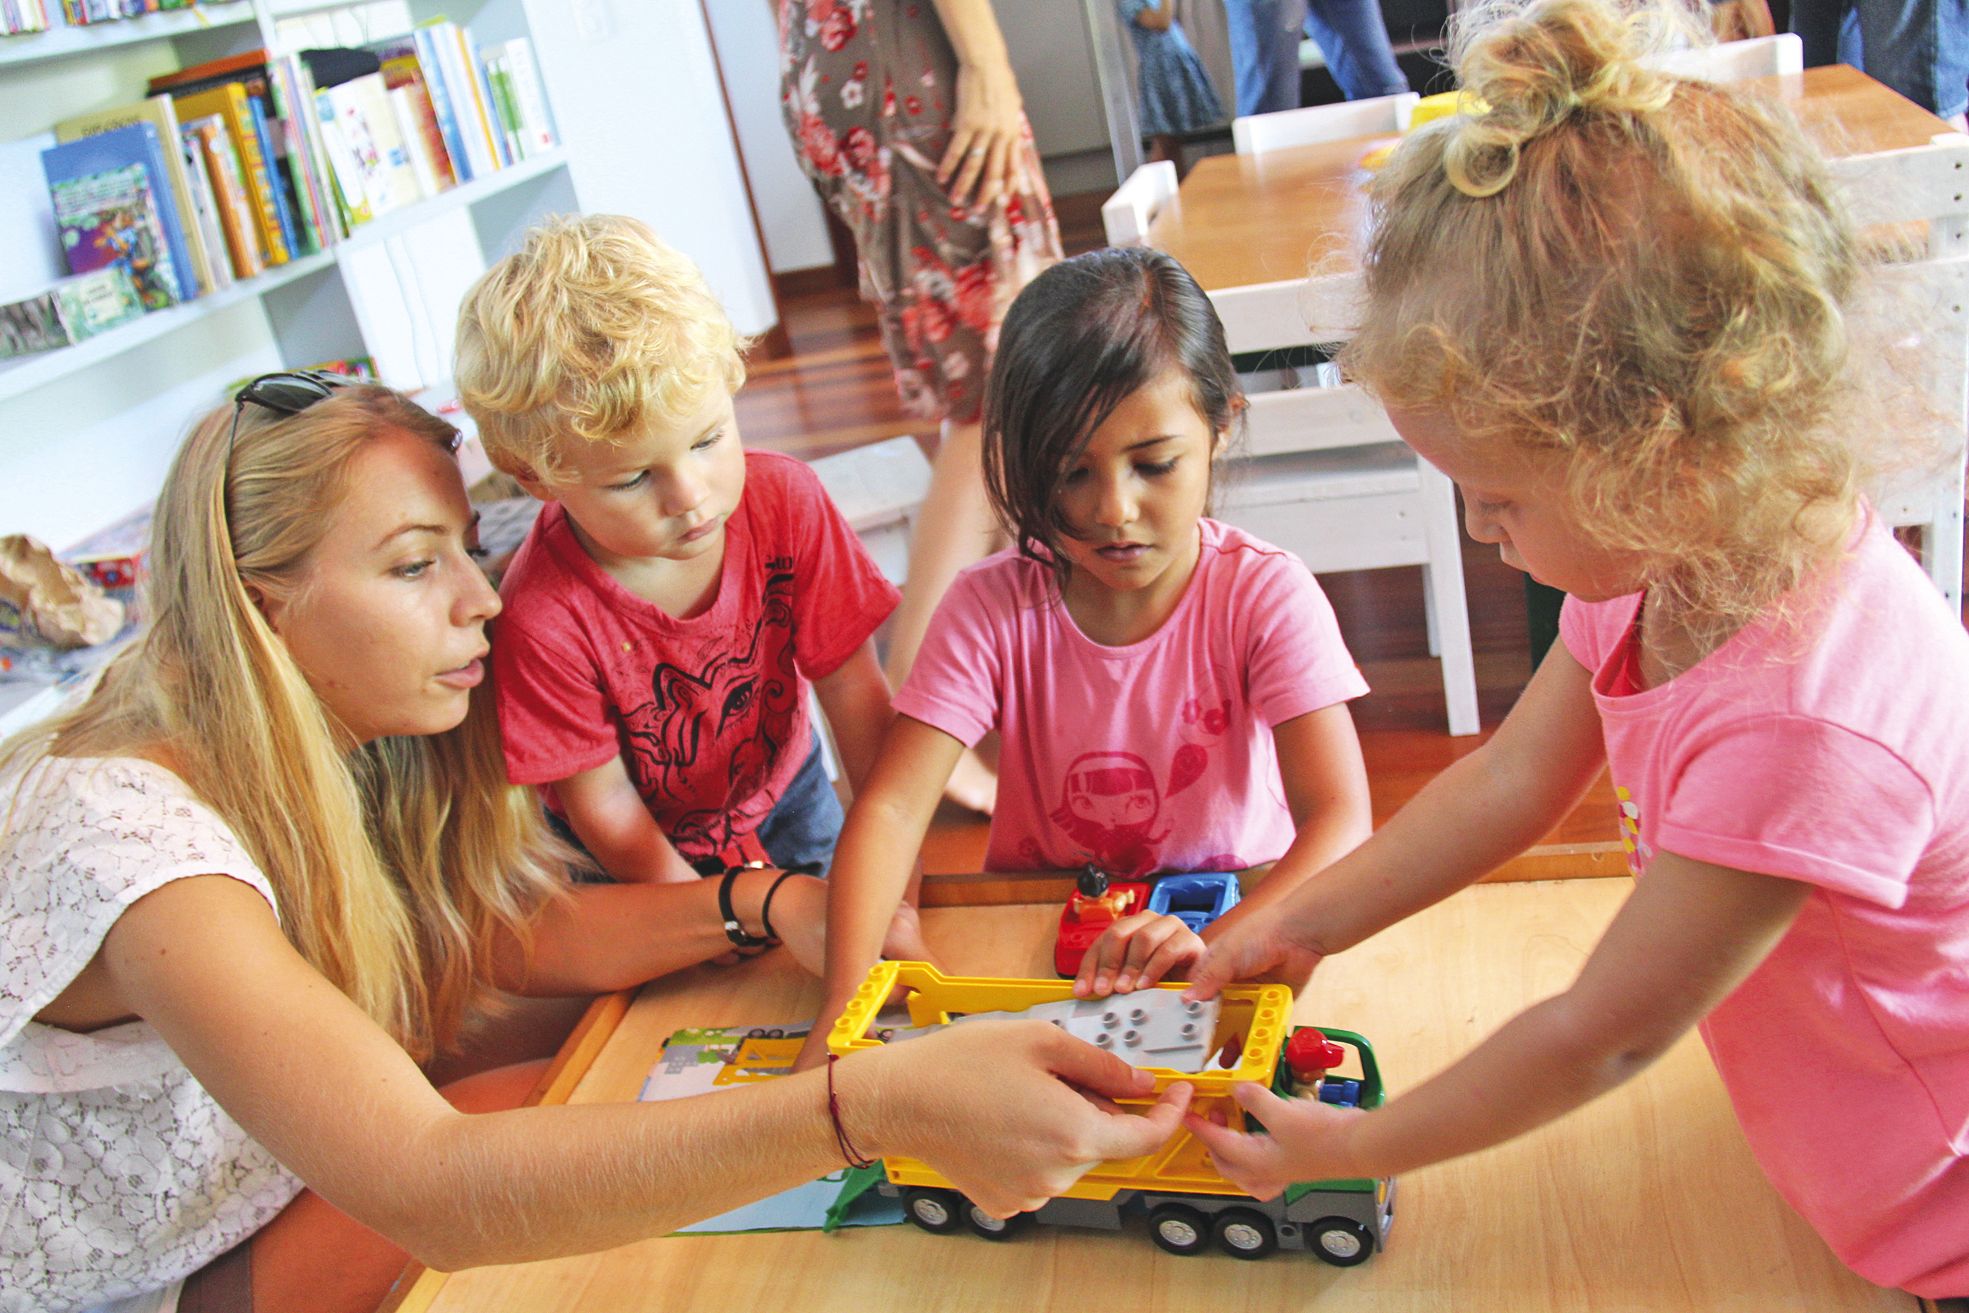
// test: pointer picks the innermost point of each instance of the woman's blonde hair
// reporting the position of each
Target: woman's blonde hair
(1645, 273)
(394, 864)
(589, 331)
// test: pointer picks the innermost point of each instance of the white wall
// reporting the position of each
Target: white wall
(789, 211)
(636, 97)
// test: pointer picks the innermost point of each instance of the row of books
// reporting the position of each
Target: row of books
(252, 161)
(17, 16)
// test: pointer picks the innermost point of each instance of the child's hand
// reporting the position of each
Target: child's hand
(905, 942)
(1261, 946)
(1134, 953)
(1308, 1141)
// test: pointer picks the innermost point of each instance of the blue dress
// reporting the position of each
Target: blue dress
(1176, 93)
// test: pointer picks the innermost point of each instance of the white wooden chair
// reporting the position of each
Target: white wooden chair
(1380, 116)
(1732, 61)
(1326, 476)
(1126, 215)
(878, 489)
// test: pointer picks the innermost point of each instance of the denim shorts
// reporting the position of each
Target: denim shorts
(801, 829)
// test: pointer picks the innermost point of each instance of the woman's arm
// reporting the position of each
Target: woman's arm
(607, 814)
(1688, 936)
(873, 861)
(603, 937)
(1485, 809)
(337, 1101)
(990, 118)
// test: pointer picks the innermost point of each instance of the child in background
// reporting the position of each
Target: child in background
(667, 611)
(1177, 97)
(1614, 307)
(1171, 693)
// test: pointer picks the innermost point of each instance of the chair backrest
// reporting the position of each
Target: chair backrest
(1733, 61)
(1918, 184)
(1126, 215)
(1380, 116)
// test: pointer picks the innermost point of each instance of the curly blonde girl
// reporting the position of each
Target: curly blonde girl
(396, 864)
(1645, 273)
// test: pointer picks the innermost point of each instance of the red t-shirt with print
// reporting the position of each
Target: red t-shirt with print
(708, 713)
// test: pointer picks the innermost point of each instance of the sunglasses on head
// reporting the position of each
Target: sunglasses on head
(288, 392)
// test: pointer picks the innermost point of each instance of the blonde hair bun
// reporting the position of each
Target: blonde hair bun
(1535, 63)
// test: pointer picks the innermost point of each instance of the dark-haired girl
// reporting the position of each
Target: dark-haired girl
(1171, 692)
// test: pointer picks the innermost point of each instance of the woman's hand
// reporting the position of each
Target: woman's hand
(983, 155)
(1307, 1141)
(1134, 953)
(1011, 1112)
(1264, 945)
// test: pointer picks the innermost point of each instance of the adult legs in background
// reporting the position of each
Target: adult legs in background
(314, 1258)
(1264, 36)
(955, 528)
(1920, 48)
(1354, 39)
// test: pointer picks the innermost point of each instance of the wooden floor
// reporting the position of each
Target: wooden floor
(833, 393)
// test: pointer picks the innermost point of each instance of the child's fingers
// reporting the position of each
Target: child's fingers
(1179, 948)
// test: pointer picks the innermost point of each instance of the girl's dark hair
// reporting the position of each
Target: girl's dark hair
(1076, 343)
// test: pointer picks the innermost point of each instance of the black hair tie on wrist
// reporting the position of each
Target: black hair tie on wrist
(733, 930)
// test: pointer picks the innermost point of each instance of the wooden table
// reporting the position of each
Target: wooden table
(1268, 220)
(1646, 1200)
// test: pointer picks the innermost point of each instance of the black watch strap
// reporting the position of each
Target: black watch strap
(733, 930)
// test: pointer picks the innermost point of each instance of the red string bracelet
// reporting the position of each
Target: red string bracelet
(841, 1140)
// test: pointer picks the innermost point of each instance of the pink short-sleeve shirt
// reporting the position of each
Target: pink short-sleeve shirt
(1837, 756)
(1157, 756)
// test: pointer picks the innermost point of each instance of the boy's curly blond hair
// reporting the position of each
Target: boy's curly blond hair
(1646, 273)
(593, 328)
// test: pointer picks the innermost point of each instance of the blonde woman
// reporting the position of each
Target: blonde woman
(266, 867)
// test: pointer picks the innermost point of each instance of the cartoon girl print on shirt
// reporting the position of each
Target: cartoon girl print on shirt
(1109, 808)
(713, 736)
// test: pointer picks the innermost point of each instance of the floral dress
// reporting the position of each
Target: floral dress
(869, 88)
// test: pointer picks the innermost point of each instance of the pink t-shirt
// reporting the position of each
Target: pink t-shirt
(1153, 757)
(1838, 757)
(709, 713)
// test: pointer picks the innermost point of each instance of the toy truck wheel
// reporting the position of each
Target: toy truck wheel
(1178, 1229)
(994, 1228)
(1244, 1233)
(935, 1210)
(1341, 1242)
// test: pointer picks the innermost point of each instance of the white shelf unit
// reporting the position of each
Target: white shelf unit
(87, 431)
(62, 42)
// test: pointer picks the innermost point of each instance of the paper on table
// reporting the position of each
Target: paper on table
(702, 1060)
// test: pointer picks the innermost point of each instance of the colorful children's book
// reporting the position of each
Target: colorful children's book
(233, 201)
(164, 278)
(157, 112)
(705, 1060)
(231, 103)
(202, 214)
(369, 133)
(533, 124)
(106, 204)
(76, 308)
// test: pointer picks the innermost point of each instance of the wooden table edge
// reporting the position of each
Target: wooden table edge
(419, 1285)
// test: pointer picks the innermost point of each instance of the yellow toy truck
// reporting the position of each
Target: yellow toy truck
(1187, 1205)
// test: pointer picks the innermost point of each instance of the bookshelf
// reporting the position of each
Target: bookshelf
(120, 401)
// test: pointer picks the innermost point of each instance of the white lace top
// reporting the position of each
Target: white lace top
(119, 1174)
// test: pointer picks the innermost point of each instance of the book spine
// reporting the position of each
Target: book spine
(169, 220)
(482, 93)
(238, 212)
(442, 104)
(276, 190)
(536, 123)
